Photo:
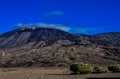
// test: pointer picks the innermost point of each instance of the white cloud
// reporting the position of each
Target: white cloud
(44, 25)
(54, 14)
(55, 26)
(73, 29)
(85, 29)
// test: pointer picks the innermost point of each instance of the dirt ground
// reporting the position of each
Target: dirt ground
(49, 73)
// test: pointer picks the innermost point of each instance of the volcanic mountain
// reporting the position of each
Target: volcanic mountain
(46, 47)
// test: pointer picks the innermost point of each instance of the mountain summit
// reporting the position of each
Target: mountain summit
(33, 35)
(26, 35)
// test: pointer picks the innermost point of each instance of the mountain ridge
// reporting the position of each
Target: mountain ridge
(48, 34)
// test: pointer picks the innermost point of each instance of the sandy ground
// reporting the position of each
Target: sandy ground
(49, 73)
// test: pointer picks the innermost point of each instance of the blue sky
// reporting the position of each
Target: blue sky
(75, 16)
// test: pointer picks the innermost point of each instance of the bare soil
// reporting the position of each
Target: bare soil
(50, 73)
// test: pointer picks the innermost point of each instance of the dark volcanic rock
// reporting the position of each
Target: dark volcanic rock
(24, 36)
(111, 38)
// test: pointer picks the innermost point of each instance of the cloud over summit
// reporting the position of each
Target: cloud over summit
(79, 29)
(44, 25)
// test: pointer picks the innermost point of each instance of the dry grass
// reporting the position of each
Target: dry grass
(46, 73)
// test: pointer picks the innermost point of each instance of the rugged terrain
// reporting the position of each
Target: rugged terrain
(47, 47)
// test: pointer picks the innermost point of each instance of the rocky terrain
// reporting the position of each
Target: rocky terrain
(45, 47)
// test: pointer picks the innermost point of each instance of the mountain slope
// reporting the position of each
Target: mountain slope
(52, 47)
(111, 37)
(24, 36)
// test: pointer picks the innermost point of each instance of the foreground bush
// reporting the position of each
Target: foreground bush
(81, 68)
(74, 68)
(100, 70)
(114, 68)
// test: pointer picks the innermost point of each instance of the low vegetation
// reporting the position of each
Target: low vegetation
(100, 70)
(114, 68)
(74, 68)
(81, 68)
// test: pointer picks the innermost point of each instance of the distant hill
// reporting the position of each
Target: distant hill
(29, 46)
(111, 37)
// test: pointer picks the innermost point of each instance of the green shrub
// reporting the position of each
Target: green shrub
(81, 68)
(74, 68)
(100, 70)
(84, 68)
(114, 68)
